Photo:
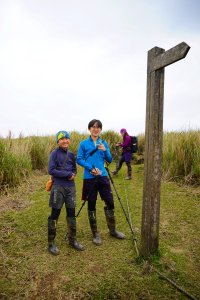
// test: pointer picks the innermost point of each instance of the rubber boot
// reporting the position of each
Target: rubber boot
(51, 237)
(117, 168)
(115, 172)
(93, 225)
(110, 219)
(129, 175)
(71, 223)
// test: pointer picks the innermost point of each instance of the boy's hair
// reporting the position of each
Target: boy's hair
(95, 121)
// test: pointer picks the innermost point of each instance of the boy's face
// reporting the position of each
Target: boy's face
(95, 130)
(64, 143)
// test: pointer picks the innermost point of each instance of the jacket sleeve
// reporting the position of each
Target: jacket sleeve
(81, 158)
(126, 142)
(74, 168)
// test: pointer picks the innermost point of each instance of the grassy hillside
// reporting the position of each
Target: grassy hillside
(19, 157)
(109, 271)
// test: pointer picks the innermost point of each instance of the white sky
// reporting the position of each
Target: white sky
(65, 62)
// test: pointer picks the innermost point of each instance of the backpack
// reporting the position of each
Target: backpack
(134, 144)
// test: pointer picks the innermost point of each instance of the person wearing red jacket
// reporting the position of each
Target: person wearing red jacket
(126, 154)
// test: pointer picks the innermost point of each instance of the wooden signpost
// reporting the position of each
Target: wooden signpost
(158, 59)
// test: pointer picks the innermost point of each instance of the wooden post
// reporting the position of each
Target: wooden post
(157, 60)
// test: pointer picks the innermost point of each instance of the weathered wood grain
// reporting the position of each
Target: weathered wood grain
(157, 60)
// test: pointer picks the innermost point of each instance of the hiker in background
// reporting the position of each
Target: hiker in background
(91, 155)
(126, 154)
(62, 168)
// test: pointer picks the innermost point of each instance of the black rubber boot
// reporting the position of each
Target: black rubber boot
(110, 219)
(129, 175)
(115, 172)
(51, 237)
(118, 168)
(93, 225)
(71, 223)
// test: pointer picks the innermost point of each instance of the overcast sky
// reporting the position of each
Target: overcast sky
(65, 62)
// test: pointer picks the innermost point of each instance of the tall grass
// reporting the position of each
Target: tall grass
(13, 167)
(75, 139)
(18, 157)
(181, 156)
(38, 151)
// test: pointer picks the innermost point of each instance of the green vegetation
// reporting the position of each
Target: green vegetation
(19, 157)
(181, 156)
(109, 271)
(13, 167)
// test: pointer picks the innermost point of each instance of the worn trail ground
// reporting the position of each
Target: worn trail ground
(109, 271)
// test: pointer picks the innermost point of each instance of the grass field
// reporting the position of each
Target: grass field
(109, 271)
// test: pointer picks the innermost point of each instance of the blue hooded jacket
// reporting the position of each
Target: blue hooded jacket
(89, 159)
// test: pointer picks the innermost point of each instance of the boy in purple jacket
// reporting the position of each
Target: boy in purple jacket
(126, 154)
(62, 168)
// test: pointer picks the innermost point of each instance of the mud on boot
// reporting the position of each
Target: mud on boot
(110, 219)
(71, 223)
(129, 175)
(93, 225)
(114, 172)
(53, 249)
(51, 237)
(97, 239)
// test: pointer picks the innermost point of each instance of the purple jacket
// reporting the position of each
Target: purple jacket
(126, 143)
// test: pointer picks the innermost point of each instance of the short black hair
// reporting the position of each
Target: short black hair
(95, 121)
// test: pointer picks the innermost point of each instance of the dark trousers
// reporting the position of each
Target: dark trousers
(126, 157)
(101, 185)
(55, 213)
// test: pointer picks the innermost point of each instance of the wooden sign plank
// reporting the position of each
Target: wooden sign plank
(169, 57)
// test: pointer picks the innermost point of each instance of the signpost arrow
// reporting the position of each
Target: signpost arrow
(169, 57)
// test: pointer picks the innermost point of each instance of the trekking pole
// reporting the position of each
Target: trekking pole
(90, 191)
(116, 156)
(127, 219)
(129, 216)
(80, 208)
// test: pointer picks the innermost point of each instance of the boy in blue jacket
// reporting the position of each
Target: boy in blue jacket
(62, 168)
(91, 155)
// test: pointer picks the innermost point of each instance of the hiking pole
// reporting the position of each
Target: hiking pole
(127, 219)
(116, 156)
(80, 208)
(90, 192)
(90, 154)
(128, 209)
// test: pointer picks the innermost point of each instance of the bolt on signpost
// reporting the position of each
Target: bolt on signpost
(158, 59)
